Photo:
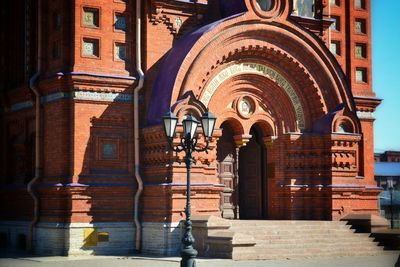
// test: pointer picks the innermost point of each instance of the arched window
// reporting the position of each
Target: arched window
(303, 8)
(344, 127)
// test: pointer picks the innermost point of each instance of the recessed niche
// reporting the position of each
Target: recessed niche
(120, 22)
(265, 5)
(359, 4)
(120, 51)
(360, 50)
(109, 151)
(360, 26)
(90, 47)
(336, 23)
(91, 17)
(361, 75)
(335, 48)
(303, 8)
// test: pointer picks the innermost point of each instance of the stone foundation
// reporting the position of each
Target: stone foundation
(84, 239)
(161, 238)
(14, 234)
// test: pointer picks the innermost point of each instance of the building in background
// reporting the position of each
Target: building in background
(387, 167)
(84, 85)
(387, 156)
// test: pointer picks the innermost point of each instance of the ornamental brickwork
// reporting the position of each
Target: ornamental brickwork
(294, 103)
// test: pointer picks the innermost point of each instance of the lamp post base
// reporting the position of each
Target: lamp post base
(188, 258)
(188, 253)
(188, 263)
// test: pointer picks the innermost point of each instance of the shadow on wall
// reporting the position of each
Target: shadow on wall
(17, 161)
(106, 185)
(103, 195)
(101, 198)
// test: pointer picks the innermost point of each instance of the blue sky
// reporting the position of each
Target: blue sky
(386, 72)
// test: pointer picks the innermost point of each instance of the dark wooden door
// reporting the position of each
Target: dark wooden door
(250, 185)
(226, 169)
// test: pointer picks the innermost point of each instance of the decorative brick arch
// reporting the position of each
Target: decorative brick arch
(273, 41)
(308, 168)
(263, 93)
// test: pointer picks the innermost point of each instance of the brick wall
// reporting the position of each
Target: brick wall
(88, 70)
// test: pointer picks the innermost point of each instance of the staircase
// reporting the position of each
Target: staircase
(378, 227)
(260, 240)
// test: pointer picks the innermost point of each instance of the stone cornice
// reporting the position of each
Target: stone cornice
(366, 103)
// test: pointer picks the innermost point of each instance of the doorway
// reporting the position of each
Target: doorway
(243, 173)
(252, 173)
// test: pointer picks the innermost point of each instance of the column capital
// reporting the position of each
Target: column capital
(241, 139)
(269, 140)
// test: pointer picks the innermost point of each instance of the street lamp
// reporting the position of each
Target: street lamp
(390, 187)
(188, 144)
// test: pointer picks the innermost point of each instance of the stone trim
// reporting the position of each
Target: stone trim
(365, 115)
(76, 95)
(54, 97)
(102, 96)
(21, 105)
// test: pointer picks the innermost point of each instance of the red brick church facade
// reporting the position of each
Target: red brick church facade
(84, 166)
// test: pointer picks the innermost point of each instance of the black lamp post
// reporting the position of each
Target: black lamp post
(391, 188)
(188, 144)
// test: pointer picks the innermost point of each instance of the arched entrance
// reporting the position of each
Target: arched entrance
(252, 190)
(260, 68)
(242, 169)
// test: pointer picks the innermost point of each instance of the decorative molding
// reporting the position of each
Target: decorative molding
(365, 115)
(78, 95)
(86, 185)
(54, 97)
(260, 69)
(366, 104)
(245, 106)
(173, 22)
(188, 102)
(175, 13)
(349, 186)
(241, 140)
(102, 96)
(109, 76)
(21, 105)
(184, 184)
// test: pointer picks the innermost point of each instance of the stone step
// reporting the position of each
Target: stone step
(316, 242)
(341, 246)
(292, 228)
(305, 250)
(285, 229)
(308, 249)
(292, 232)
(284, 222)
(269, 236)
(254, 240)
(298, 234)
(291, 255)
